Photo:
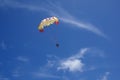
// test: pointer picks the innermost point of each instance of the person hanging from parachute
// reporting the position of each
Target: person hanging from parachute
(47, 22)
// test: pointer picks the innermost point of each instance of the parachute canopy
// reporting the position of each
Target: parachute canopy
(47, 22)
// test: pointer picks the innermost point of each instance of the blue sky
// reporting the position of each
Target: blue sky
(88, 34)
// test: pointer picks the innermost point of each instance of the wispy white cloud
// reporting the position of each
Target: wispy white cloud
(87, 26)
(45, 75)
(3, 45)
(70, 19)
(17, 72)
(17, 4)
(55, 10)
(3, 78)
(105, 76)
(0, 63)
(69, 66)
(80, 54)
(73, 63)
(22, 58)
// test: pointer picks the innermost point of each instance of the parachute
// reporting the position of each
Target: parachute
(47, 22)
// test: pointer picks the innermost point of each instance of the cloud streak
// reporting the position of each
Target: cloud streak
(45, 75)
(3, 45)
(22, 59)
(66, 17)
(86, 26)
(3, 78)
(55, 10)
(71, 67)
(16, 4)
(75, 63)
(105, 76)
(80, 54)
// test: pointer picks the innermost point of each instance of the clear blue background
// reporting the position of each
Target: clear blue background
(19, 36)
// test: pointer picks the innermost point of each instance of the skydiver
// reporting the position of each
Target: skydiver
(57, 45)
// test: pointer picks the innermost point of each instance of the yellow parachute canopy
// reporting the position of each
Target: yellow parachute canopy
(47, 22)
